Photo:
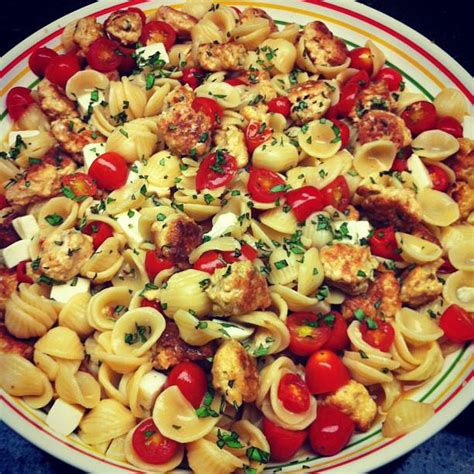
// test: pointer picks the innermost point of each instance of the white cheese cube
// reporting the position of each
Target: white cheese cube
(468, 127)
(135, 171)
(91, 152)
(128, 221)
(23, 134)
(151, 385)
(26, 226)
(63, 417)
(222, 225)
(16, 253)
(345, 232)
(235, 331)
(419, 173)
(87, 100)
(144, 53)
(363, 229)
(63, 293)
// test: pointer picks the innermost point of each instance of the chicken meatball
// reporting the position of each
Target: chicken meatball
(181, 22)
(309, 101)
(421, 285)
(87, 30)
(229, 56)
(54, 103)
(124, 27)
(376, 96)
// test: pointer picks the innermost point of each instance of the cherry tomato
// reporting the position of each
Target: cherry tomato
(391, 76)
(150, 445)
(439, 177)
(209, 262)
(21, 274)
(450, 125)
(140, 12)
(127, 61)
(304, 201)
(18, 101)
(216, 169)
(234, 81)
(338, 339)
(3, 202)
(104, 55)
(348, 99)
(380, 337)
(344, 131)
(325, 372)
(332, 113)
(384, 244)
(158, 32)
(360, 78)
(191, 380)
(81, 184)
(155, 264)
(210, 107)
(280, 105)
(61, 68)
(109, 170)
(99, 231)
(308, 333)
(447, 267)
(284, 444)
(331, 431)
(246, 252)
(192, 76)
(256, 133)
(361, 58)
(399, 165)
(457, 324)
(337, 194)
(151, 304)
(293, 393)
(39, 60)
(265, 185)
(419, 117)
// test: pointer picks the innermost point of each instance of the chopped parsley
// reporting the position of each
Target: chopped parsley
(54, 219)
(141, 334)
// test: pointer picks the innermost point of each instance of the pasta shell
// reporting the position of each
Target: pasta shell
(106, 306)
(406, 416)
(61, 342)
(320, 139)
(459, 289)
(277, 154)
(73, 315)
(417, 328)
(374, 157)
(462, 256)
(252, 33)
(450, 102)
(438, 208)
(416, 250)
(19, 377)
(85, 81)
(435, 145)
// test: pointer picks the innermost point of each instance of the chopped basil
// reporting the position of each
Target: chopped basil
(281, 264)
(230, 440)
(54, 219)
(201, 325)
(257, 454)
(141, 334)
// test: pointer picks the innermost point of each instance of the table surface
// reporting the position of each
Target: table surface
(449, 451)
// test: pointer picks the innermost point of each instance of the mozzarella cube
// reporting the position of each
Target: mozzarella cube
(23, 134)
(128, 221)
(468, 127)
(151, 385)
(63, 293)
(144, 53)
(235, 331)
(346, 232)
(91, 152)
(419, 173)
(26, 226)
(16, 253)
(63, 417)
(89, 99)
(363, 229)
(134, 172)
(222, 225)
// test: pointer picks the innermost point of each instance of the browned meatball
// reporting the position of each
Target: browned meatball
(124, 26)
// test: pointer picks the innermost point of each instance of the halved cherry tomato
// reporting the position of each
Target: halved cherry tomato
(439, 178)
(39, 60)
(256, 134)
(293, 393)
(380, 337)
(450, 125)
(209, 262)
(151, 304)
(61, 68)
(210, 107)
(399, 165)
(3, 202)
(265, 185)
(234, 81)
(344, 132)
(21, 274)
(304, 201)
(361, 58)
(391, 76)
(158, 32)
(140, 12)
(280, 105)
(360, 78)
(419, 117)
(246, 252)
(81, 184)
(104, 55)
(308, 332)
(127, 61)
(331, 431)
(155, 264)
(99, 231)
(150, 445)
(447, 267)
(216, 169)
(332, 113)
(348, 99)
(109, 170)
(192, 76)
(18, 100)
(338, 339)
(384, 244)
(284, 444)
(191, 380)
(325, 372)
(457, 324)
(337, 194)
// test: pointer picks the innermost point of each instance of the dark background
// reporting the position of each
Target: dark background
(449, 25)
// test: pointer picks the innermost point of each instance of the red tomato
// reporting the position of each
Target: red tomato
(256, 133)
(348, 99)
(81, 184)
(158, 32)
(383, 243)
(21, 275)
(332, 113)
(419, 116)
(337, 194)
(399, 164)
(304, 201)
(361, 78)
(265, 185)
(39, 60)
(104, 55)
(209, 262)
(293, 393)
(392, 78)
(457, 324)
(151, 304)
(99, 231)
(450, 125)
(140, 12)
(439, 177)
(325, 372)
(216, 169)
(447, 267)
(150, 445)
(191, 380)
(127, 61)
(344, 131)
(331, 431)
(18, 101)
(109, 170)
(192, 76)
(245, 253)
(308, 333)
(338, 339)
(280, 105)
(361, 58)
(61, 68)
(380, 337)
(284, 444)
(234, 81)
(155, 264)
(3, 202)
(210, 107)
